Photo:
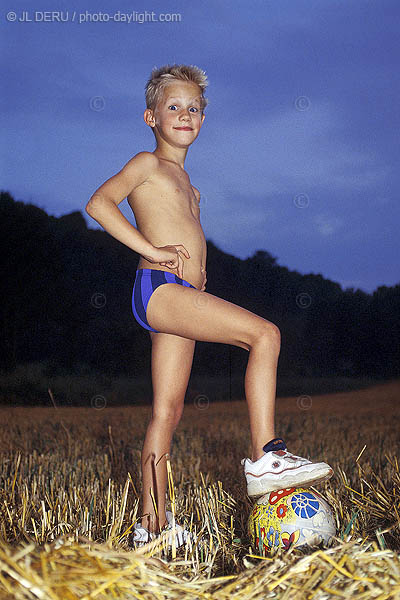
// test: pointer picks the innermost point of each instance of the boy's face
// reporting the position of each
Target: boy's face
(177, 118)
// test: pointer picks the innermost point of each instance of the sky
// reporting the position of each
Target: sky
(299, 151)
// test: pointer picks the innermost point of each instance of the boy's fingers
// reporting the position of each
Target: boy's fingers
(180, 266)
(183, 250)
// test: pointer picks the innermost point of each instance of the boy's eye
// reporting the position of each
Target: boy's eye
(192, 108)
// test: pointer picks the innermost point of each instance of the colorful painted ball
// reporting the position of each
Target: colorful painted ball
(290, 517)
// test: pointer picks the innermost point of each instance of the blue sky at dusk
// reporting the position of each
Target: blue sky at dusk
(299, 151)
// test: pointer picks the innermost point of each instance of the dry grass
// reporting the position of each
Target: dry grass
(70, 487)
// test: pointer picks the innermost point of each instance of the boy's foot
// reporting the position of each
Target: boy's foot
(278, 469)
(181, 535)
(141, 535)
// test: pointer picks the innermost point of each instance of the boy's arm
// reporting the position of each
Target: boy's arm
(103, 205)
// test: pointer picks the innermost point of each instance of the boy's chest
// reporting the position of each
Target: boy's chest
(177, 184)
(176, 188)
(172, 190)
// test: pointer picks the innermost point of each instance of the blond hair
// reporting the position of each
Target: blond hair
(162, 76)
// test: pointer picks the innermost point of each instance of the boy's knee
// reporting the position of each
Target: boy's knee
(169, 417)
(271, 334)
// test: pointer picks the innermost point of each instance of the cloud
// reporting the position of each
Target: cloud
(327, 225)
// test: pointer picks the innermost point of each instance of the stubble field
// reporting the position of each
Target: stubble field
(70, 483)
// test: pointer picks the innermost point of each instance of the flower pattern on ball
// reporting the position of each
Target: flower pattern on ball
(281, 511)
(272, 537)
(291, 517)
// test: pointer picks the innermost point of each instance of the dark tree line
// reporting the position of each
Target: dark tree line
(66, 299)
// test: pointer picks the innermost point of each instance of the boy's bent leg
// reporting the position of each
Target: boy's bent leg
(171, 363)
(187, 312)
(196, 315)
(200, 316)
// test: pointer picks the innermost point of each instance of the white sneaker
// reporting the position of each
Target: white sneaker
(141, 535)
(181, 535)
(279, 469)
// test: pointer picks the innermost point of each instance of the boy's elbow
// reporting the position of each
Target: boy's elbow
(89, 209)
(92, 205)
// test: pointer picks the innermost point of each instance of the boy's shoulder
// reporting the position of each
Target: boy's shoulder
(145, 159)
(141, 167)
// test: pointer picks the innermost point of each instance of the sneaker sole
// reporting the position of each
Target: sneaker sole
(260, 487)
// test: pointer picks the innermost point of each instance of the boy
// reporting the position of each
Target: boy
(169, 298)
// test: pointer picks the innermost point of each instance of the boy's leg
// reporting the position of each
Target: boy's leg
(171, 363)
(196, 315)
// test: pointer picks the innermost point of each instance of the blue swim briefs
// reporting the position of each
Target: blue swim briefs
(146, 281)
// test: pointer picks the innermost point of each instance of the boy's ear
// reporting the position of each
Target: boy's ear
(149, 117)
(203, 116)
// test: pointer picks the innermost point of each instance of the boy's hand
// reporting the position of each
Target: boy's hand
(170, 257)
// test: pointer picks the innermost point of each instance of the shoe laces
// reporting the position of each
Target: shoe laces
(295, 457)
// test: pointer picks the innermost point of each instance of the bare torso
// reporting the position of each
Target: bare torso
(167, 212)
